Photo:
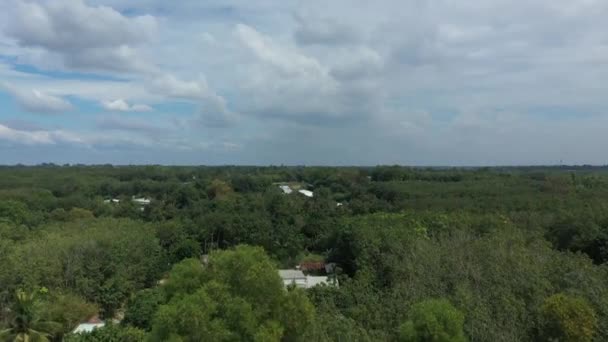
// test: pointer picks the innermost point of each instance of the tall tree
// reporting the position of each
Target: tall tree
(237, 296)
(26, 325)
(434, 320)
(566, 318)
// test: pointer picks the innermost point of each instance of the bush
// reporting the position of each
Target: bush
(566, 318)
(434, 320)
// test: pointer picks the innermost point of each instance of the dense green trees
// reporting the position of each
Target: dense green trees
(434, 320)
(567, 318)
(25, 323)
(237, 295)
(100, 260)
(67, 310)
(142, 307)
(498, 279)
(497, 244)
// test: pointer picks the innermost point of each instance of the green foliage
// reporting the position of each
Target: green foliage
(238, 295)
(269, 332)
(498, 278)
(249, 274)
(189, 318)
(365, 239)
(331, 325)
(568, 319)
(100, 260)
(185, 278)
(68, 310)
(183, 249)
(311, 257)
(11, 231)
(79, 214)
(26, 323)
(434, 320)
(296, 315)
(219, 190)
(142, 307)
(495, 242)
(14, 212)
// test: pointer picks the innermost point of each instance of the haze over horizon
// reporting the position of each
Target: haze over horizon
(435, 82)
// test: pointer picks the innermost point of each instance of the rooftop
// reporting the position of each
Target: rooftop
(306, 193)
(297, 278)
(87, 327)
(291, 274)
(286, 189)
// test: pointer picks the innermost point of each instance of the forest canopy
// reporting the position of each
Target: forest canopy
(155, 253)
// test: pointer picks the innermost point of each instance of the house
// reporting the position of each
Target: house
(312, 281)
(286, 189)
(312, 265)
(113, 200)
(297, 278)
(141, 201)
(88, 326)
(306, 193)
(293, 277)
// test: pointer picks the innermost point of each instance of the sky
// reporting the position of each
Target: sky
(414, 82)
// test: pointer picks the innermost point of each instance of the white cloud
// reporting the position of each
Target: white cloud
(288, 84)
(121, 105)
(171, 86)
(286, 61)
(70, 25)
(354, 69)
(117, 133)
(357, 63)
(37, 137)
(85, 37)
(214, 111)
(37, 101)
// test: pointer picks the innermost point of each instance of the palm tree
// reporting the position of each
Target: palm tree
(25, 325)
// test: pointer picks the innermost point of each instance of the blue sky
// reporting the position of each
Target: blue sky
(418, 82)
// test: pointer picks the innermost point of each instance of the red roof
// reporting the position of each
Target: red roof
(95, 320)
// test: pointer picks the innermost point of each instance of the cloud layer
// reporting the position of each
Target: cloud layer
(418, 82)
(36, 101)
(121, 105)
(84, 37)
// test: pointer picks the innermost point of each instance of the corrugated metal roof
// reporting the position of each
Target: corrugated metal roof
(306, 193)
(297, 278)
(286, 189)
(291, 274)
(87, 327)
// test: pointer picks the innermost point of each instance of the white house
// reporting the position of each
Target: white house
(297, 278)
(88, 326)
(312, 281)
(141, 201)
(293, 277)
(286, 189)
(306, 193)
